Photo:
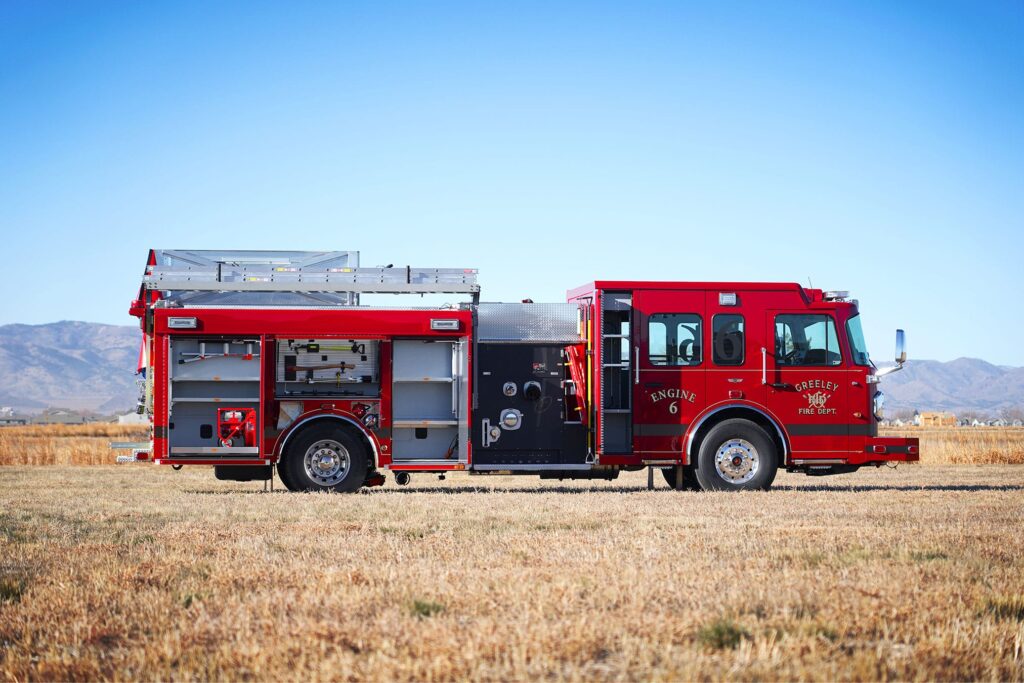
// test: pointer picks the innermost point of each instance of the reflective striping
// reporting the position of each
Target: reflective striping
(660, 430)
(829, 430)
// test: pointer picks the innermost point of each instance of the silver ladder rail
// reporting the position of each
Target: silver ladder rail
(298, 272)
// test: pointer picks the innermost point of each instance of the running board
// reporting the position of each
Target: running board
(530, 468)
(816, 461)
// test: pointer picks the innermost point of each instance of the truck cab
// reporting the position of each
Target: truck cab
(782, 367)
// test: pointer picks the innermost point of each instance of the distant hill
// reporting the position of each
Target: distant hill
(958, 385)
(75, 365)
(88, 366)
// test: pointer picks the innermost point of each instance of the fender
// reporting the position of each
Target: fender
(327, 415)
(711, 411)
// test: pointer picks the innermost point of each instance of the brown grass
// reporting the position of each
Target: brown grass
(139, 572)
(84, 444)
(967, 445)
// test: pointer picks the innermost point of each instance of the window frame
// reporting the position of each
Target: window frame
(743, 344)
(835, 329)
(853, 347)
(698, 339)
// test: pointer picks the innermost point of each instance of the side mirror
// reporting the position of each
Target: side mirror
(901, 351)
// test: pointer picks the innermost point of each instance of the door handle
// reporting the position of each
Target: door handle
(636, 357)
(764, 372)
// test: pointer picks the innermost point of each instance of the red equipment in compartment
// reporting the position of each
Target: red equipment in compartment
(236, 422)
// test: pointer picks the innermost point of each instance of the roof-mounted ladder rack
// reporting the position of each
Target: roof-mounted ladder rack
(296, 272)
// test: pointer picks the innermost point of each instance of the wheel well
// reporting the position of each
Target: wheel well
(742, 413)
(345, 424)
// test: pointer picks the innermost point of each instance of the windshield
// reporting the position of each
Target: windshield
(856, 336)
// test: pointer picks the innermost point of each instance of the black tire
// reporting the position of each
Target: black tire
(282, 472)
(752, 465)
(690, 482)
(325, 457)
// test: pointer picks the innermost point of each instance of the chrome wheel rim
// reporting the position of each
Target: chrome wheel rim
(737, 461)
(327, 462)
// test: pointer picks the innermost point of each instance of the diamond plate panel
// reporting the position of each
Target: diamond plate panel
(557, 323)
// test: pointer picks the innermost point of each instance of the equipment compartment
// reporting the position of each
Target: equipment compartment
(428, 391)
(207, 374)
(327, 367)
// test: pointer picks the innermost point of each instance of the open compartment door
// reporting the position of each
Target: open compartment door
(428, 396)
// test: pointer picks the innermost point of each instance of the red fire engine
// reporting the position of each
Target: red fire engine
(253, 360)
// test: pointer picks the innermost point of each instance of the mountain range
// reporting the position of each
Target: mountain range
(73, 365)
(964, 384)
(91, 367)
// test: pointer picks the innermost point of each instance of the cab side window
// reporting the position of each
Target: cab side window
(674, 339)
(806, 339)
(727, 339)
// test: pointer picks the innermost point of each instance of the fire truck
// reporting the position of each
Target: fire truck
(254, 360)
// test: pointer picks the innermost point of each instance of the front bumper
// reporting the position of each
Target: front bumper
(891, 449)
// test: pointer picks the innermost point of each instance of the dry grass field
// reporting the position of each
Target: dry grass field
(85, 444)
(967, 445)
(137, 571)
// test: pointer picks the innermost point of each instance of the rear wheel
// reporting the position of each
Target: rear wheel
(282, 472)
(737, 455)
(325, 457)
(689, 478)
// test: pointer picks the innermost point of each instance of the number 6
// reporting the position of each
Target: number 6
(673, 408)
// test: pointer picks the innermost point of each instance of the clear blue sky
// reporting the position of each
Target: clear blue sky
(877, 147)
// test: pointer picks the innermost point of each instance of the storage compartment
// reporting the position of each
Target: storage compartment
(307, 368)
(426, 443)
(428, 391)
(207, 374)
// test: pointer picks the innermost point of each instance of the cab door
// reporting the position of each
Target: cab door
(734, 340)
(807, 384)
(669, 329)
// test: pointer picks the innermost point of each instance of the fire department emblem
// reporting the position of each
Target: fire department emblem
(817, 400)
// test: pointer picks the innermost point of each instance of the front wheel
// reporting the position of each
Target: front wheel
(325, 458)
(737, 455)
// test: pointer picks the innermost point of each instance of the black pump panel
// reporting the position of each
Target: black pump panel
(540, 436)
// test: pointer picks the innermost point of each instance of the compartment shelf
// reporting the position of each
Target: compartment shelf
(187, 399)
(414, 380)
(214, 450)
(215, 379)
